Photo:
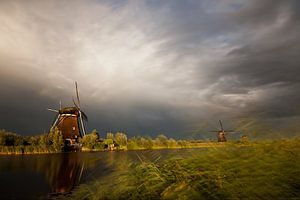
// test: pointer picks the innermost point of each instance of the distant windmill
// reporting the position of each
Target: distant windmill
(70, 120)
(221, 133)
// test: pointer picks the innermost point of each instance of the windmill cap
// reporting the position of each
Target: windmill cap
(69, 110)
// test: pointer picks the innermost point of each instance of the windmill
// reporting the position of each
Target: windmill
(221, 133)
(70, 120)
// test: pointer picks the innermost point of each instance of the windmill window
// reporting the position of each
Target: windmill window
(74, 128)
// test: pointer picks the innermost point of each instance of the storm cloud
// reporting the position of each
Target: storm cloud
(149, 67)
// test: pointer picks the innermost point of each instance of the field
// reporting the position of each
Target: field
(260, 170)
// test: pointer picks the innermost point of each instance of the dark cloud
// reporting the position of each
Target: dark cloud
(147, 67)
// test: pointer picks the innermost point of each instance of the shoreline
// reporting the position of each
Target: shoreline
(85, 150)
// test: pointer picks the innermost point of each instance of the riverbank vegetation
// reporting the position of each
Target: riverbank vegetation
(12, 143)
(265, 170)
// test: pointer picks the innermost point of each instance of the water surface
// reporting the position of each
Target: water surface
(42, 176)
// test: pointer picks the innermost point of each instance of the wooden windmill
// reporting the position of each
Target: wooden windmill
(221, 133)
(70, 120)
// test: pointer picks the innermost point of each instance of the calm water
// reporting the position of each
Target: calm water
(42, 176)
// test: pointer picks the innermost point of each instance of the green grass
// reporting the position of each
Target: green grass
(263, 170)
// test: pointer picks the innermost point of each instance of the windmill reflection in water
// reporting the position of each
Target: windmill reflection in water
(64, 172)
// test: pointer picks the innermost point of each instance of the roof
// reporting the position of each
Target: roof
(69, 110)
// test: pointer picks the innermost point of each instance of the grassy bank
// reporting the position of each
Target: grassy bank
(265, 170)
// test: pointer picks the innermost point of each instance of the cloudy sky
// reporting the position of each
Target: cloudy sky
(149, 67)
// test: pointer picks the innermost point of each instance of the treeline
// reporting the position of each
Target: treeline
(12, 143)
(119, 141)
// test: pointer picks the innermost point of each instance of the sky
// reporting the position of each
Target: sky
(150, 67)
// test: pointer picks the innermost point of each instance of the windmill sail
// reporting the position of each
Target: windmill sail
(221, 133)
(79, 109)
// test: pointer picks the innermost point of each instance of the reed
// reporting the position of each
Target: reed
(262, 170)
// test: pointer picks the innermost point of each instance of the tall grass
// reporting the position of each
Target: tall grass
(263, 170)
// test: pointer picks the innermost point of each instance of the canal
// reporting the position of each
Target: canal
(47, 175)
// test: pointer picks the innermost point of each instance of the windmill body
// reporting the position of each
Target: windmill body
(221, 136)
(70, 121)
(221, 133)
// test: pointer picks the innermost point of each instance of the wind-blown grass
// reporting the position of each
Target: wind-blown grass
(264, 170)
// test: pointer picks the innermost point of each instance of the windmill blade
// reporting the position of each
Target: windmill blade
(84, 116)
(52, 110)
(55, 120)
(80, 111)
(221, 125)
(81, 114)
(75, 104)
(60, 119)
(82, 124)
(77, 94)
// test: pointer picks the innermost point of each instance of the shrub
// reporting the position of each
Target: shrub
(90, 140)
(56, 139)
(121, 139)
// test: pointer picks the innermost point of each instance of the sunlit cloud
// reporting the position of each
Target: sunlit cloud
(149, 66)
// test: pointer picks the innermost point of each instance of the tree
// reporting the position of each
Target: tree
(95, 132)
(148, 143)
(110, 135)
(172, 143)
(90, 140)
(109, 143)
(56, 138)
(162, 140)
(10, 139)
(121, 139)
(43, 141)
(33, 141)
(132, 144)
(182, 143)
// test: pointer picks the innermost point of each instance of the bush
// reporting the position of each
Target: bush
(56, 140)
(121, 139)
(161, 141)
(90, 140)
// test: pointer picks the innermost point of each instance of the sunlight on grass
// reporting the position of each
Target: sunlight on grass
(263, 170)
